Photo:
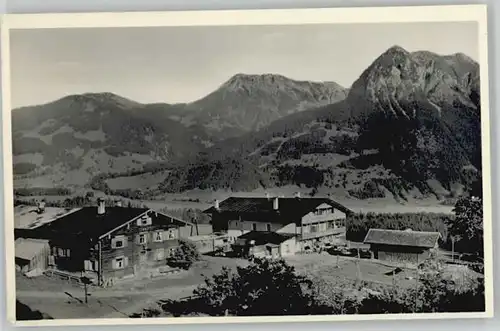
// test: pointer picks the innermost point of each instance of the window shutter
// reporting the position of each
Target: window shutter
(125, 261)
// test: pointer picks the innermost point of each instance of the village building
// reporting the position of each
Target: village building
(401, 246)
(312, 220)
(32, 256)
(110, 243)
(265, 244)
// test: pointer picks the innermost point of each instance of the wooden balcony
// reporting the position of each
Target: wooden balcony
(319, 234)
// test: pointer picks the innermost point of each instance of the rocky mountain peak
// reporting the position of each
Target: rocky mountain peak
(398, 76)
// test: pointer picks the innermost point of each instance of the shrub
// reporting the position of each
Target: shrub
(185, 255)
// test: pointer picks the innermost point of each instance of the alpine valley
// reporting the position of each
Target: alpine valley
(409, 126)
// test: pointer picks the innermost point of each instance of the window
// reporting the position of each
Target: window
(159, 254)
(144, 221)
(254, 226)
(268, 227)
(158, 236)
(119, 242)
(63, 252)
(120, 262)
(171, 234)
(142, 239)
(323, 211)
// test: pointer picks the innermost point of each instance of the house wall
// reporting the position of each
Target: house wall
(136, 257)
(195, 230)
(70, 254)
(39, 261)
(238, 227)
(328, 214)
(399, 254)
(289, 247)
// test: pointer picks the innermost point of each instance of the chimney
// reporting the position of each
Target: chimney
(118, 203)
(216, 204)
(101, 206)
(276, 203)
(268, 196)
(297, 195)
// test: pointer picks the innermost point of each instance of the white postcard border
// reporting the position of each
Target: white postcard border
(454, 13)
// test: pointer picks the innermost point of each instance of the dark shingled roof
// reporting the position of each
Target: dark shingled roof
(286, 206)
(402, 238)
(86, 223)
(262, 238)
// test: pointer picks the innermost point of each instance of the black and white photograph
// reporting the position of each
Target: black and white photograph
(206, 165)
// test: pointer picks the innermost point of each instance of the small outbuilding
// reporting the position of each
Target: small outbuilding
(401, 246)
(32, 256)
(265, 244)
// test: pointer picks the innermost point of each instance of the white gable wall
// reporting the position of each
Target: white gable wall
(313, 217)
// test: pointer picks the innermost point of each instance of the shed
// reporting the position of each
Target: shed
(401, 246)
(265, 244)
(32, 255)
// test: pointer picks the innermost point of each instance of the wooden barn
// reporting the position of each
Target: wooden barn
(111, 243)
(398, 246)
(32, 256)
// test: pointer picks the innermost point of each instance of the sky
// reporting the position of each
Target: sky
(183, 64)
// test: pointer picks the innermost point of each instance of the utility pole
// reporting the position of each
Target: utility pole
(358, 267)
(86, 281)
(452, 249)
(416, 288)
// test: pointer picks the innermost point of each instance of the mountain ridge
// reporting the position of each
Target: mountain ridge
(409, 125)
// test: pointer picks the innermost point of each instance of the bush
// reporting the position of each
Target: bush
(265, 287)
(185, 255)
(467, 226)
(271, 287)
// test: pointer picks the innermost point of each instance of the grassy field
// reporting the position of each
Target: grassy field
(337, 269)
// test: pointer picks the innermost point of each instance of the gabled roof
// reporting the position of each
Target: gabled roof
(26, 217)
(286, 206)
(27, 249)
(86, 223)
(263, 238)
(402, 238)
